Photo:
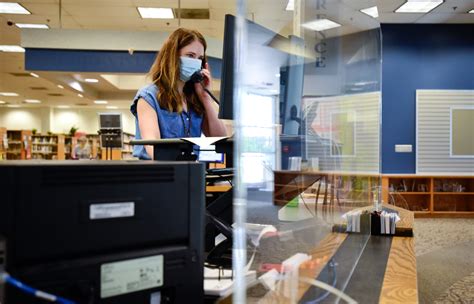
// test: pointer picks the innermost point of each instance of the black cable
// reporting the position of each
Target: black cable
(197, 77)
(210, 94)
(224, 228)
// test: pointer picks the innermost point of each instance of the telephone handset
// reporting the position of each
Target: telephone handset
(197, 77)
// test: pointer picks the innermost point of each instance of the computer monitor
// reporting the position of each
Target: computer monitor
(110, 121)
(226, 107)
(264, 60)
(208, 154)
(103, 232)
(110, 130)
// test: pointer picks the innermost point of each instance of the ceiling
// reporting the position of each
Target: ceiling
(123, 15)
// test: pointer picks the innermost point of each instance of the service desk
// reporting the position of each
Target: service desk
(369, 269)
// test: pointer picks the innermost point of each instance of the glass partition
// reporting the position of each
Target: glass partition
(307, 108)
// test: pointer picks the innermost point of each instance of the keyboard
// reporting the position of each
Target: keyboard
(220, 171)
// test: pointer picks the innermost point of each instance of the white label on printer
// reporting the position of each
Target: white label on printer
(130, 276)
(111, 210)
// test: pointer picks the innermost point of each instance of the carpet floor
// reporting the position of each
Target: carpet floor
(445, 260)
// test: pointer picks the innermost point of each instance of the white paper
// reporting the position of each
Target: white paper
(203, 141)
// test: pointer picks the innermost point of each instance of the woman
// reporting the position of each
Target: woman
(172, 107)
(82, 150)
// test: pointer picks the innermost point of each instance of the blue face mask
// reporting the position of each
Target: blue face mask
(188, 66)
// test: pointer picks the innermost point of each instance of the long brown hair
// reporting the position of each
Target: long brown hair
(165, 71)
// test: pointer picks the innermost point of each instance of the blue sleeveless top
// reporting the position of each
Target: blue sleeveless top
(171, 124)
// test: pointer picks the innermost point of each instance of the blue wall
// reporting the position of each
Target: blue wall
(419, 56)
(97, 61)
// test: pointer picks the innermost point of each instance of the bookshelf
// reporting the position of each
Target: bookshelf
(94, 143)
(127, 149)
(349, 189)
(19, 144)
(69, 144)
(124, 153)
(49, 146)
(431, 195)
(3, 143)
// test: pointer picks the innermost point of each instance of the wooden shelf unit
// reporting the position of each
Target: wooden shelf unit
(69, 144)
(127, 150)
(19, 144)
(3, 143)
(49, 146)
(354, 189)
(431, 195)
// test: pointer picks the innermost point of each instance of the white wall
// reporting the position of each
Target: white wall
(59, 120)
(24, 118)
(86, 120)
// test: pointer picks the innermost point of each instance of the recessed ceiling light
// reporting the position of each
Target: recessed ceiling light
(418, 6)
(156, 13)
(291, 5)
(100, 102)
(34, 75)
(371, 11)
(320, 25)
(91, 80)
(63, 107)
(8, 94)
(112, 107)
(12, 48)
(2, 102)
(13, 8)
(471, 11)
(60, 86)
(32, 101)
(80, 95)
(13, 106)
(32, 26)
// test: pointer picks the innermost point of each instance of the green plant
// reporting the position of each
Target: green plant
(33, 131)
(73, 131)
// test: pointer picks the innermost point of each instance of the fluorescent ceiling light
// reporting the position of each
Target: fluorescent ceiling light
(156, 13)
(111, 107)
(2, 102)
(63, 107)
(13, 106)
(8, 94)
(320, 25)
(291, 5)
(12, 48)
(34, 75)
(80, 95)
(13, 8)
(32, 101)
(60, 86)
(100, 102)
(91, 80)
(32, 26)
(418, 6)
(371, 11)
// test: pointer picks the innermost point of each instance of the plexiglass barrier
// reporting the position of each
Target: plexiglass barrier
(307, 108)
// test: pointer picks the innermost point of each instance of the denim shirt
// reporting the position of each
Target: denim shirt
(171, 124)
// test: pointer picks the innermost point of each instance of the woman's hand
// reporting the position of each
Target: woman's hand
(206, 83)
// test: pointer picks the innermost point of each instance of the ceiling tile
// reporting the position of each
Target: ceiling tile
(100, 11)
